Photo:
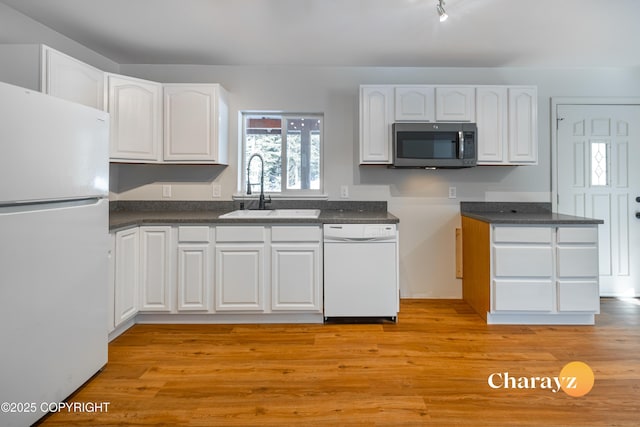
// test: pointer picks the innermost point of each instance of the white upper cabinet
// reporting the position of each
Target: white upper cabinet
(491, 116)
(39, 67)
(67, 78)
(376, 118)
(523, 125)
(455, 104)
(415, 103)
(135, 108)
(195, 123)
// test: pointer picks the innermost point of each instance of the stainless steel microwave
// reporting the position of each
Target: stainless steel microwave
(434, 145)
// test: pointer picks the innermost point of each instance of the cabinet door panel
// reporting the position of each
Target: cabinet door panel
(193, 277)
(67, 78)
(239, 277)
(523, 296)
(522, 261)
(296, 277)
(155, 268)
(135, 107)
(455, 104)
(577, 261)
(127, 275)
(578, 296)
(523, 131)
(189, 123)
(578, 235)
(376, 114)
(491, 118)
(415, 103)
(512, 234)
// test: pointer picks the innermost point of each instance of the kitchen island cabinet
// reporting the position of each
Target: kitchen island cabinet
(536, 268)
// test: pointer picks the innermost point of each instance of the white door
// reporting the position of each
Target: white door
(596, 179)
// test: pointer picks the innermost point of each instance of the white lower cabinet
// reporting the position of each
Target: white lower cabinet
(577, 264)
(127, 275)
(296, 269)
(205, 272)
(538, 270)
(194, 268)
(155, 268)
(240, 268)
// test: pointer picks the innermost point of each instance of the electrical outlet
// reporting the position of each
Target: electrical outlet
(166, 191)
(216, 191)
(452, 193)
(344, 191)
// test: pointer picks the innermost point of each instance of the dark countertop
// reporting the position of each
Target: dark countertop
(164, 213)
(521, 214)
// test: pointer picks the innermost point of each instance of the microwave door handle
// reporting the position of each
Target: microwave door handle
(461, 145)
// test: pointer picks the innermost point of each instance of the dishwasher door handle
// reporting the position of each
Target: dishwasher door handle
(358, 239)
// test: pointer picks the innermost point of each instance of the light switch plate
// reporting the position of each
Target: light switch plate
(453, 192)
(166, 191)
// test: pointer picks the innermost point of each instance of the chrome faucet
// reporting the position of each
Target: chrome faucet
(261, 201)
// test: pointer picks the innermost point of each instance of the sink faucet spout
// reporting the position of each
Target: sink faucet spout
(261, 201)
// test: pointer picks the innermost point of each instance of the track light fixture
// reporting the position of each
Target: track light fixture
(441, 11)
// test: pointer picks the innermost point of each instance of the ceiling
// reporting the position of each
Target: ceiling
(478, 33)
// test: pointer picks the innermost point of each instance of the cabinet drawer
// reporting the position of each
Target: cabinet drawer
(578, 261)
(578, 296)
(577, 235)
(523, 296)
(522, 234)
(240, 234)
(295, 234)
(519, 261)
(193, 234)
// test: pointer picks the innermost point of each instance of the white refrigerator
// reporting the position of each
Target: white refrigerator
(54, 175)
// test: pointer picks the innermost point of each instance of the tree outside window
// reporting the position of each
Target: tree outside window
(290, 145)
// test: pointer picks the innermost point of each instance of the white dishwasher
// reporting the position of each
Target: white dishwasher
(361, 271)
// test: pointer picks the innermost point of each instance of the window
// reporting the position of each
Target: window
(291, 147)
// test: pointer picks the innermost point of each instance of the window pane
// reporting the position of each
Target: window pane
(303, 153)
(298, 138)
(599, 164)
(263, 136)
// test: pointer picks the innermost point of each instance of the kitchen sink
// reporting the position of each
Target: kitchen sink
(273, 213)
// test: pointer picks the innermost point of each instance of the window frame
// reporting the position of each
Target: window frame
(284, 193)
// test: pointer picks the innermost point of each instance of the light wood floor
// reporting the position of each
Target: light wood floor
(429, 369)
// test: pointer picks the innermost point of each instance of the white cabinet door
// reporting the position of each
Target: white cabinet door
(67, 78)
(111, 299)
(155, 268)
(240, 276)
(296, 278)
(376, 118)
(194, 268)
(522, 295)
(195, 123)
(415, 103)
(455, 104)
(523, 126)
(491, 118)
(127, 274)
(135, 108)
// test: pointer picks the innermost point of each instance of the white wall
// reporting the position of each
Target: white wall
(18, 28)
(419, 198)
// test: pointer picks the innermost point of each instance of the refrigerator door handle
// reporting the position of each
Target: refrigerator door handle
(16, 208)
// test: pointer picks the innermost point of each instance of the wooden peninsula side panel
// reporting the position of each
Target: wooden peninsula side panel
(476, 264)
